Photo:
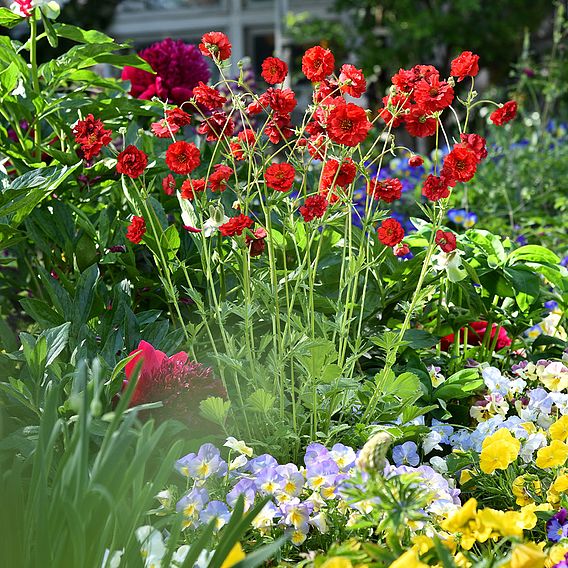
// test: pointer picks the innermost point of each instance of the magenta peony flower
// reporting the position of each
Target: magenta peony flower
(180, 384)
(179, 67)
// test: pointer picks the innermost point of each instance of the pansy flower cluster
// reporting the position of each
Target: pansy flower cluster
(301, 499)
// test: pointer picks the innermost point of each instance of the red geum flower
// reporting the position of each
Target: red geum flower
(256, 243)
(390, 232)
(131, 162)
(192, 186)
(218, 179)
(246, 141)
(177, 382)
(406, 79)
(313, 207)
(386, 190)
(336, 174)
(91, 134)
(274, 70)
(216, 126)
(446, 240)
(347, 124)
(435, 188)
(215, 45)
(317, 63)
(466, 64)
(169, 184)
(280, 177)
(459, 165)
(278, 128)
(432, 95)
(394, 109)
(183, 157)
(236, 225)
(208, 97)
(402, 249)
(476, 333)
(415, 161)
(419, 123)
(504, 114)
(136, 230)
(352, 81)
(475, 143)
(281, 101)
(175, 120)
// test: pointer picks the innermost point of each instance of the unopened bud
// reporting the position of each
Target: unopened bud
(372, 458)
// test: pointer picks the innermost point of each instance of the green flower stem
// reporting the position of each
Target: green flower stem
(35, 77)
(392, 354)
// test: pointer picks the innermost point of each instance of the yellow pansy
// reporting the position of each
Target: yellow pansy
(337, 562)
(498, 451)
(559, 430)
(408, 560)
(555, 555)
(552, 456)
(527, 555)
(524, 487)
(236, 555)
(528, 518)
(465, 476)
(559, 486)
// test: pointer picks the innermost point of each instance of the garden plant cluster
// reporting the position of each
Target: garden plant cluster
(238, 333)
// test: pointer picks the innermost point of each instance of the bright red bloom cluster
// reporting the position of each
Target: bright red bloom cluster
(219, 178)
(192, 186)
(131, 162)
(466, 64)
(419, 95)
(352, 81)
(279, 103)
(136, 230)
(348, 124)
(446, 240)
(339, 174)
(504, 114)
(183, 157)
(236, 225)
(177, 382)
(390, 232)
(387, 190)
(217, 125)
(246, 139)
(169, 126)
(314, 207)
(208, 97)
(317, 63)
(91, 134)
(274, 70)
(280, 177)
(459, 165)
(215, 45)
(435, 188)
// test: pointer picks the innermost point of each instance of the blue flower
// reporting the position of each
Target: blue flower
(205, 463)
(191, 504)
(406, 454)
(246, 488)
(218, 511)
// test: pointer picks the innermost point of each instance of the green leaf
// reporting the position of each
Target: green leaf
(8, 19)
(261, 555)
(261, 401)
(9, 77)
(85, 295)
(41, 312)
(533, 253)
(81, 36)
(420, 339)
(215, 409)
(170, 241)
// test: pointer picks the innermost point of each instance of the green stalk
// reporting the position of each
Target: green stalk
(35, 77)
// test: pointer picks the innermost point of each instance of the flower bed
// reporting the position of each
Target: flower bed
(242, 335)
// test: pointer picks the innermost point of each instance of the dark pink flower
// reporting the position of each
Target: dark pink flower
(179, 68)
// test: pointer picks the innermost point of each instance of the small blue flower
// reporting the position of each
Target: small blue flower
(218, 511)
(406, 454)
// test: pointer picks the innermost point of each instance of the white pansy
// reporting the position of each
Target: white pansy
(238, 446)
